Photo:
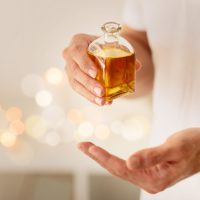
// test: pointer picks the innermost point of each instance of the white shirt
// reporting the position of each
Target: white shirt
(173, 30)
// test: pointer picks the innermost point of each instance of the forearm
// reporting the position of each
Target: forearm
(144, 80)
(197, 147)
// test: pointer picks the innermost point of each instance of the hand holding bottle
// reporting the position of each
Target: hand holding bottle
(81, 70)
(93, 78)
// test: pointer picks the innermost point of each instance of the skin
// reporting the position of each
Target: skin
(81, 71)
(152, 169)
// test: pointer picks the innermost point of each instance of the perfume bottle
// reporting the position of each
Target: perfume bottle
(115, 61)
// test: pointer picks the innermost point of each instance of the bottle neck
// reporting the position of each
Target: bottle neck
(111, 37)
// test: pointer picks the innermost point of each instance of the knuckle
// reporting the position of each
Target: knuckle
(88, 83)
(73, 69)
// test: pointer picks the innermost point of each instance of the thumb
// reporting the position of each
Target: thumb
(148, 157)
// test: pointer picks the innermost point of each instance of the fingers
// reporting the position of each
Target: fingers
(113, 164)
(91, 84)
(79, 88)
(84, 146)
(81, 70)
(149, 157)
(153, 180)
(85, 63)
(77, 51)
(173, 151)
(85, 85)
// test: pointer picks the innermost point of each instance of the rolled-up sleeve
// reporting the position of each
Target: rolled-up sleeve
(133, 14)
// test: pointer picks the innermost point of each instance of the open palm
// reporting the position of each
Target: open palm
(153, 169)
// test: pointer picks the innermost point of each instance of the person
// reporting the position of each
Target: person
(166, 37)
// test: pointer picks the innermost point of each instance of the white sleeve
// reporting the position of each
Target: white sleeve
(133, 14)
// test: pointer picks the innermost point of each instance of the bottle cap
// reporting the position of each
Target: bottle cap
(111, 27)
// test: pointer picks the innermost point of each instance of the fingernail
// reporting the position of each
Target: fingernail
(80, 146)
(98, 101)
(92, 73)
(97, 90)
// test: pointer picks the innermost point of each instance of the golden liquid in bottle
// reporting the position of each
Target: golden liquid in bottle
(116, 71)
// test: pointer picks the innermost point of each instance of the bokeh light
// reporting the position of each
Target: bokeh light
(52, 138)
(75, 115)
(44, 98)
(36, 126)
(13, 113)
(102, 132)
(135, 128)
(54, 76)
(8, 139)
(31, 84)
(86, 129)
(116, 127)
(17, 127)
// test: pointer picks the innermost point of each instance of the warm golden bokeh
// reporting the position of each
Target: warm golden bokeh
(54, 76)
(14, 113)
(8, 139)
(17, 127)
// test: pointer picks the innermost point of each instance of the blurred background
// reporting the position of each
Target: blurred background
(42, 119)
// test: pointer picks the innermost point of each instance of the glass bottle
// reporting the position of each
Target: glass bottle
(115, 61)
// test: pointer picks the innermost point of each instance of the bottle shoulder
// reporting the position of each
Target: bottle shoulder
(118, 47)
